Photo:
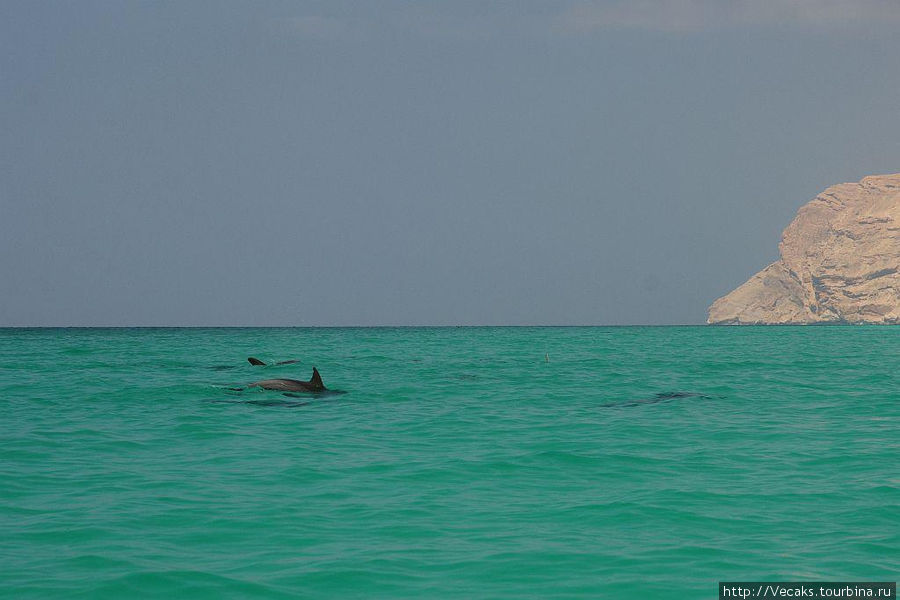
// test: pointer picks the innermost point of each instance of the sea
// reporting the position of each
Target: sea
(474, 462)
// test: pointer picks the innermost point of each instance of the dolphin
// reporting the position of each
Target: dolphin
(293, 385)
(656, 399)
(258, 363)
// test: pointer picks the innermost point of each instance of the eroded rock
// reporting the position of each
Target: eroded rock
(840, 262)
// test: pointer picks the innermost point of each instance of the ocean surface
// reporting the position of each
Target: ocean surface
(627, 462)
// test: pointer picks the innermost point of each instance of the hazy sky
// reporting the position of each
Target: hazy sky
(458, 162)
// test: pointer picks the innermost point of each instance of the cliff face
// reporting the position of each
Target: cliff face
(840, 262)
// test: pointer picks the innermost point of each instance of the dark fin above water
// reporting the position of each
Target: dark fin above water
(316, 380)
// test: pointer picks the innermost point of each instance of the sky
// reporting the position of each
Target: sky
(422, 163)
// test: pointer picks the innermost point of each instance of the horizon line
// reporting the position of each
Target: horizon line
(472, 326)
(570, 326)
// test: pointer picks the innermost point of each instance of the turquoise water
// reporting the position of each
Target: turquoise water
(459, 463)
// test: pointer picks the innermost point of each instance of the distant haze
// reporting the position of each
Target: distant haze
(409, 163)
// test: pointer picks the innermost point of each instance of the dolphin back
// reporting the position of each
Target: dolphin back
(293, 385)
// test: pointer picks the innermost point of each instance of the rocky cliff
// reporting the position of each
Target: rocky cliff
(840, 262)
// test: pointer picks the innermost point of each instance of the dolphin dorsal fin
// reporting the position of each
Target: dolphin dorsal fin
(256, 362)
(316, 380)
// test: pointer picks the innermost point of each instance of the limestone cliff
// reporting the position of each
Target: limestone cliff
(840, 262)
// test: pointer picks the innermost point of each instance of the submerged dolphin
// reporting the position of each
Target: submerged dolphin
(293, 385)
(656, 399)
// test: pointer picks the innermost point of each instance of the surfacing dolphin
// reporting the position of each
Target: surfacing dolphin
(656, 399)
(293, 385)
(258, 363)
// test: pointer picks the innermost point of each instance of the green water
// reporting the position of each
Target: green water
(460, 463)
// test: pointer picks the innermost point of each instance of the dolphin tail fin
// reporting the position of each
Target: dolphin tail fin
(256, 362)
(316, 380)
